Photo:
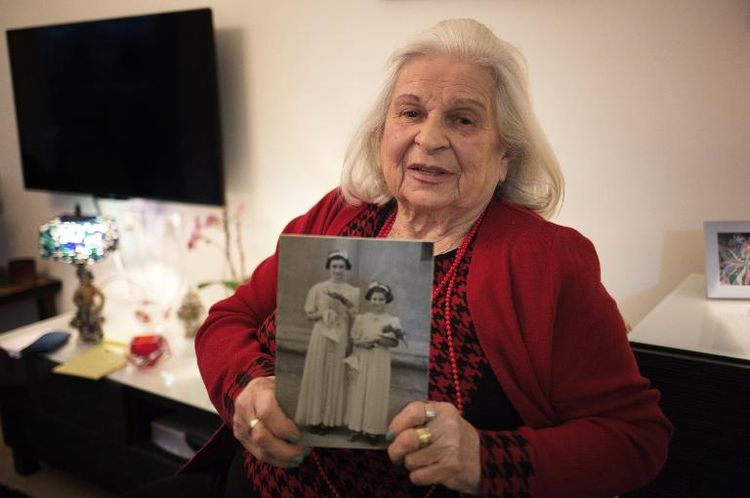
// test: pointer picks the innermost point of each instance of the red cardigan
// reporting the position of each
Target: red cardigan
(552, 334)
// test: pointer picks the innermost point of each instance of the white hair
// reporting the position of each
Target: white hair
(534, 179)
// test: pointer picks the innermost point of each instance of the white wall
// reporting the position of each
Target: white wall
(646, 103)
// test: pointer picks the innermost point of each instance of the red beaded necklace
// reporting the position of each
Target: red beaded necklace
(447, 282)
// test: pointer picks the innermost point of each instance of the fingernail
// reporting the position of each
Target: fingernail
(292, 438)
(390, 436)
(297, 460)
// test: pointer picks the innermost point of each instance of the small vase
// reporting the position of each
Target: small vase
(190, 312)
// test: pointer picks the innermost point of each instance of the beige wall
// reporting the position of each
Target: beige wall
(645, 101)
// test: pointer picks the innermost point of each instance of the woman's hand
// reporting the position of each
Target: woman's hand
(387, 341)
(364, 344)
(272, 438)
(452, 456)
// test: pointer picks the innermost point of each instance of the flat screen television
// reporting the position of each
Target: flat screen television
(120, 108)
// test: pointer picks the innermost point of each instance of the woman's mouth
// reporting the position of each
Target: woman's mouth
(428, 174)
(428, 170)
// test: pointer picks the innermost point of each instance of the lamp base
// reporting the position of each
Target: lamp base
(89, 302)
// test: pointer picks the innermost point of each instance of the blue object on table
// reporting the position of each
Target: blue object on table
(47, 342)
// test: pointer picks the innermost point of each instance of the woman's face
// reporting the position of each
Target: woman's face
(337, 267)
(441, 146)
(377, 301)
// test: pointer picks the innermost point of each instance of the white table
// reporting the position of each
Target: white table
(687, 321)
(175, 377)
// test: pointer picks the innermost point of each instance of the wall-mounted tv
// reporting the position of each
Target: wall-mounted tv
(120, 108)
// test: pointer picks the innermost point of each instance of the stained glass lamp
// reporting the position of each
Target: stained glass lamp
(81, 241)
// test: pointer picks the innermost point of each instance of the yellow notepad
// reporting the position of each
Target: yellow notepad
(94, 363)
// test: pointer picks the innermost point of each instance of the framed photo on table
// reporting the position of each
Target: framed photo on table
(727, 259)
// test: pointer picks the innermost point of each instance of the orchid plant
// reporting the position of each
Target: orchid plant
(229, 228)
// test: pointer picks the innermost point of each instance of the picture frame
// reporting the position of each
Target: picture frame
(727, 259)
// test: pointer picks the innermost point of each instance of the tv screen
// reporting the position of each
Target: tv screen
(120, 108)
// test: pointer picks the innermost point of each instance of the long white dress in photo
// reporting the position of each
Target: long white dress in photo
(322, 390)
(370, 384)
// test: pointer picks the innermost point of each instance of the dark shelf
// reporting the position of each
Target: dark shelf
(42, 289)
(98, 430)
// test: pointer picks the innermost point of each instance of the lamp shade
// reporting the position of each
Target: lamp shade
(78, 239)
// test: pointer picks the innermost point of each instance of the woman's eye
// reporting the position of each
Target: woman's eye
(464, 121)
(411, 113)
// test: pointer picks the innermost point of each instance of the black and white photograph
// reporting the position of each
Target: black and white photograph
(353, 335)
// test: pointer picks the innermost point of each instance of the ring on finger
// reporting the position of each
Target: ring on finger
(429, 411)
(253, 423)
(425, 437)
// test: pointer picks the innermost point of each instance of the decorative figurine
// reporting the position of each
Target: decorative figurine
(190, 312)
(89, 302)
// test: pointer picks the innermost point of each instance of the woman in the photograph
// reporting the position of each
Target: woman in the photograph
(373, 335)
(331, 305)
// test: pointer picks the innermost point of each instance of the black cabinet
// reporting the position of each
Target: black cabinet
(99, 430)
(707, 398)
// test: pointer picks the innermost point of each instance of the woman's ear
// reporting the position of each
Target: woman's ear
(505, 158)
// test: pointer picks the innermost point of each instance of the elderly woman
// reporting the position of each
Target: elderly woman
(533, 388)
(331, 305)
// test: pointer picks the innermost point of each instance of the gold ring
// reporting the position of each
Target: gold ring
(425, 437)
(429, 411)
(254, 422)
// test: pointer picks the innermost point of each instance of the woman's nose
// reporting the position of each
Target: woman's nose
(431, 135)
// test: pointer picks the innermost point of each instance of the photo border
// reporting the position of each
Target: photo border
(715, 290)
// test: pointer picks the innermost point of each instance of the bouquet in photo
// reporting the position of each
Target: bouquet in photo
(394, 333)
(339, 297)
